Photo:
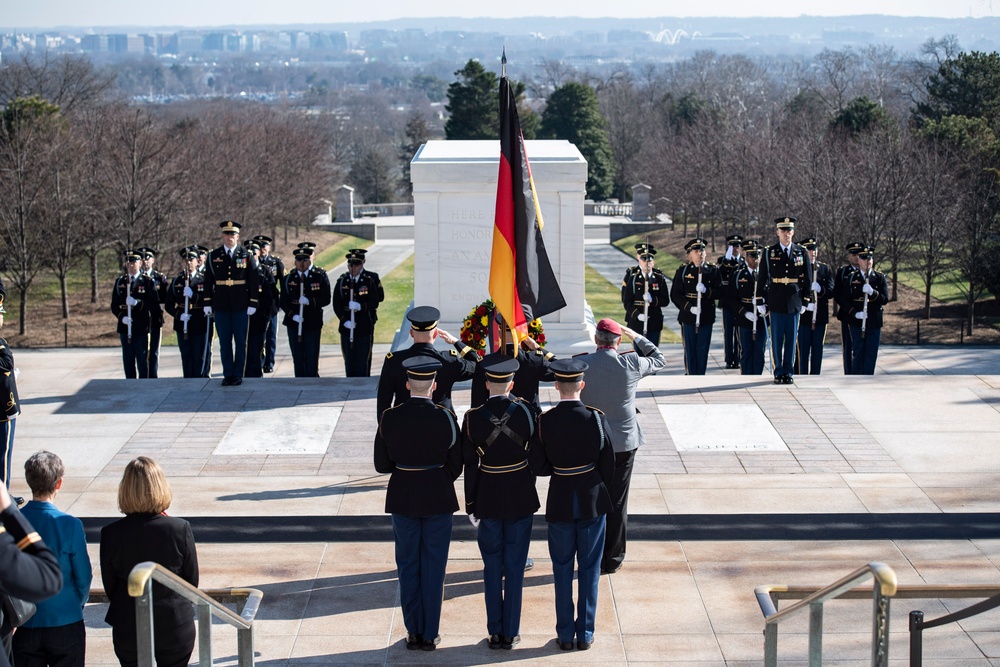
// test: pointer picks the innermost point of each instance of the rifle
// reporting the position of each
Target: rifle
(697, 318)
(645, 306)
(756, 282)
(187, 286)
(812, 266)
(864, 309)
(352, 316)
(302, 293)
(128, 306)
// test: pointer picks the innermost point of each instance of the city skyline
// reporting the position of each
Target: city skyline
(46, 14)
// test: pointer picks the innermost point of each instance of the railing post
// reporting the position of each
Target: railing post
(204, 635)
(880, 627)
(144, 625)
(244, 647)
(771, 645)
(916, 638)
(816, 634)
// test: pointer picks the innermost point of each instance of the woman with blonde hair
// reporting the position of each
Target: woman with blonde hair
(146, 533)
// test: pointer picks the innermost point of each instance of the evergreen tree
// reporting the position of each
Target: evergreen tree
(473, 104)
(573, 113)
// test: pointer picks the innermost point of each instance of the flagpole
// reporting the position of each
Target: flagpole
(503, 63)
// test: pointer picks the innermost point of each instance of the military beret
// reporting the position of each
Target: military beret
(568, 370)
(230, 227)
(423, 318)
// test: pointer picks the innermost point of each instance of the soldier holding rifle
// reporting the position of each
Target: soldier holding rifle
(133, 301)
(815, 315)
(786, 275)
(728, 265)
(304, 295)
(695, 288)
(868, 294)
(185, 298)
(841, 296)
(750, 314)
(644, 294)
(356, 298)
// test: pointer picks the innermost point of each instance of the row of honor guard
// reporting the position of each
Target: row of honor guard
(242, 288)
(780, 293)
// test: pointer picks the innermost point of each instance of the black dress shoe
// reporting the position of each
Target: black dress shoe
(789, 379)
(510, 642)
(583, 646)
(528, 564)
(236, 381)
(268, 369)
(430, 644)
(779, 379)
(611, 570)
(733, 364)
(413, 642)
(565, 646)
(18, 500)
(227, 381)
(495, 641)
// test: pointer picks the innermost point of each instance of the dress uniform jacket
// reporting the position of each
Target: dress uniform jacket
(459, 364)
(745, 294)
(727, 269)
(856, 300)
(633, 298)
(612, 389)
(143, 290)
(275, 267)
(842, 290)
(267, 301)
(787, 279)
(231, 283)
(498, 482)
(198, 324)
(533, 368)
(9, 400)
(418, 442)
(316, 287)
(368, 293)
(28, 568)
(162, 282)
(572, 446)
(824, 276)
(684, 293)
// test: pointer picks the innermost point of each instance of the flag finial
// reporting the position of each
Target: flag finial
(503, 63)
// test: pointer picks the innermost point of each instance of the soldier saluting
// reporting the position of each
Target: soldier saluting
(356, 298)
(786, 276)
(644, 294)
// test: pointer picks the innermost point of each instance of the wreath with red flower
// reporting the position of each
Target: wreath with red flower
(476, 328)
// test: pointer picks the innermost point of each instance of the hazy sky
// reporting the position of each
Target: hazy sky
(49, 13)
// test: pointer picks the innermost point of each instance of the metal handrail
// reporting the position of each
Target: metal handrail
(883, 587)
(140, 586)
(918, 624)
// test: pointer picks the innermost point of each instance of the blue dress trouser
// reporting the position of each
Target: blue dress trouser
(255, 351)
(192, 351)
(845, 335)
(583, 539)
(864, 350)
(134, 354)
(232, 326)
(270, 343)
(153, 353)
(809, 360)
(7, 436)
(504, 547)
(696, 348)
(784, 333)
(730, 335)
(305, 353)
(421, 559)
(357, 357)
(752, 349)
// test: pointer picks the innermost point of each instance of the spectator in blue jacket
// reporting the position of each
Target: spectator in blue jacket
(55, 636)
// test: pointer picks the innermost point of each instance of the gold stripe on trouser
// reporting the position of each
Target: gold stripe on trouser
(7, 451)
(684, 350)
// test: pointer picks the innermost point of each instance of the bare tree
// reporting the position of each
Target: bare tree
(69, 81)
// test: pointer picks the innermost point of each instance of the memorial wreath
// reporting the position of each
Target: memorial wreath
(476, 328)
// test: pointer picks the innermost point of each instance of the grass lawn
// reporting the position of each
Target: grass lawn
(947, 288)
(334, 255)
(605, 300)
(664, 261)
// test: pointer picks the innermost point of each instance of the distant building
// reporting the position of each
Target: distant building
(126, 44)
(94, 43)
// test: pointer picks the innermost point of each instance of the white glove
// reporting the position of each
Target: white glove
(304, 300)
(348, 325)
(762, 309)
(641, 317)
(354, 305)
(861, 315)
(802, 310)
(130, 301)
(752, 316)
(296, 318)
(701, 288)
(647, 297)
(867, 289)
(251, 310)
(17, 374)
(696, 310)
(185, 317)
(188, 292)
(208, 311)
(126, 320)
(729, 252)
(473, 520)
(816, 288)
(811, 307)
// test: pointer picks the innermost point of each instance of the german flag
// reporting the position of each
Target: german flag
(522, 283)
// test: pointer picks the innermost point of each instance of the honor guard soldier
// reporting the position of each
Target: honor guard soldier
(231, 286)
(786, 275)
(12, 403)
(728, 264)
(206, 368)
(185, 301)
(815, 314)
(750, 312)
(276, 267)
(500, 495)
(644, 294)
(532, 369)
(571, 444)
(202, 256)
(356, 298)
(868, 294)
(156, 317)
(267, 309)
(695, 289)
(457, 365)
(842, 298)
(418, 444)
(133, 302)
(304, 295)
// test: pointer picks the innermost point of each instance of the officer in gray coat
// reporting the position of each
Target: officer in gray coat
(611, 389)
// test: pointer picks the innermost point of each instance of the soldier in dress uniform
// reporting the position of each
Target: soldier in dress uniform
(267, 309)
(231, 297)
(809, 357)
(841, 296)
(728, 264)
(185, 301)
(206, 367)
(696, 283)
(156, 317)
(133, 302)
(276, 268)
(500, 495)
(532, 369)
(11, 404)
(457, 365)
(868, 294)
(304, 295)
(572, 445)
(644, 294)
(418, 444)
(786, 276)
(356, 298)
(751, 320)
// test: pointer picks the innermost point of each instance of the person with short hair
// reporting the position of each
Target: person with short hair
(694, 291)
(868, 293)
(304, 295)
(156, 315)
(185, 297)
(146, 533)
(276, 268)
(815, 314)
(785, 275)
(55, 636)
(728, 265)
(356, 298)
(748, 295)
(842, 298)
(12, 406)
(645, 293)
(133, 301)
